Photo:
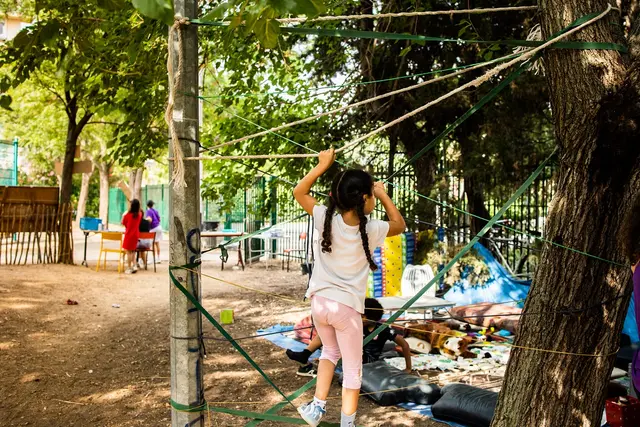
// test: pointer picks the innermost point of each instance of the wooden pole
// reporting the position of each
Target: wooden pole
(184, 227)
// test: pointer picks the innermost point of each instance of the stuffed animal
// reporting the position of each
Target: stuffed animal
(440, 337)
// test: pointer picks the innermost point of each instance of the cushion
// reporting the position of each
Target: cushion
(388, 386)
(465, 404)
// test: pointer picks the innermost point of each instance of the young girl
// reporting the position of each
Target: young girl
(339, 280)
(632, 246)
(131, 221)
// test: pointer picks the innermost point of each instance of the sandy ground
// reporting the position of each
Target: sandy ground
(95, 365)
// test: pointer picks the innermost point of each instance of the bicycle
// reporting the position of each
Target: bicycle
(526, 265)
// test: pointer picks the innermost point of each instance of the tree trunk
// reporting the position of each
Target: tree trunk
(393, 149)
(594, 96)
(473, 188)
(103, 170)
(425, 170)
(84, 194)
(135, 183)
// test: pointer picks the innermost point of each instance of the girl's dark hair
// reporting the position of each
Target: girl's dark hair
(373, 309)
(150, 204)
(135, 208)
(347, 193)
(631, 233)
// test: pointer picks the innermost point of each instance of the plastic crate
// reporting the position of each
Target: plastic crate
(90, 224)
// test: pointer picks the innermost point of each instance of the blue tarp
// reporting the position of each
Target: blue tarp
(502, 288)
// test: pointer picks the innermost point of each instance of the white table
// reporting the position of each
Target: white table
(424, 303)
(268, 252)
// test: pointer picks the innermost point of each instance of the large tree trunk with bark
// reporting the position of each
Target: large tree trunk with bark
(595, 101)
(103, 170)
(74, 128)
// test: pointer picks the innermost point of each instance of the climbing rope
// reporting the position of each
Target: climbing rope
(409, 14)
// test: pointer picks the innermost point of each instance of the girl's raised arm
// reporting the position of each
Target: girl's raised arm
(302, 192)
(396, 222)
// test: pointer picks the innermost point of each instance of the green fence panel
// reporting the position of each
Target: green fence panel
(9, 162)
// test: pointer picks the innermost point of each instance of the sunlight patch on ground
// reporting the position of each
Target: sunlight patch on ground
(32, 377)
(16, 306)
(7, 345)
(109, 397)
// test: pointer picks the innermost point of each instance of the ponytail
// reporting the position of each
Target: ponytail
(363, 233)
(326, 231)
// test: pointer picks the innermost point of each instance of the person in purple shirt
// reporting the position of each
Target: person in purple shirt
(153, 217)
(632, 236)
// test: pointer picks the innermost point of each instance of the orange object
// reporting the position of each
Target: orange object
(623, 411)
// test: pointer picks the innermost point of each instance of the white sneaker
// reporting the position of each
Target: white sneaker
(311, 413)
(128, 271)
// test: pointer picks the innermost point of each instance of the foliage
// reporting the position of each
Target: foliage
(98, 58)
(156, 9)
(519, 114)
(469, 269)
(259, 17)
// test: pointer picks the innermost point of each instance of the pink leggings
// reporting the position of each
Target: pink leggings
(340, 329)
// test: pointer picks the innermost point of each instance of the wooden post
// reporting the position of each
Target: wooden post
(184, 230)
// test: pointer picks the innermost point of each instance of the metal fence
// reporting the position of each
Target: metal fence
(269, 202)
(118, 203)
(9, 162)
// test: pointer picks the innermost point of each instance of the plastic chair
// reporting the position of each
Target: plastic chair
(111, 236)
(416, 277)
(288, 252)
(148, 236)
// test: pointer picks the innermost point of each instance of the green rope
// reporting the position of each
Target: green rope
(219, 327)
(266, 416)
(224, 256)
(472, 110)
(377, 35)
(441, 274)
(488, 97)
(464, 250)
(278, 406)
(188, 408)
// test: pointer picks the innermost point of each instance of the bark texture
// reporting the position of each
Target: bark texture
(84, 195)
(103, 170)
(596, 108)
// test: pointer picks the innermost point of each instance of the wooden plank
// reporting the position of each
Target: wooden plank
(82, 166)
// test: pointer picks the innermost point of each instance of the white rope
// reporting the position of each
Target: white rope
(253, 156)
(408, 14)
(175, 81)
(354, 105)
(476, 82)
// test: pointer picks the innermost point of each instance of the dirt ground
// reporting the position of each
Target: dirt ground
(92, 364)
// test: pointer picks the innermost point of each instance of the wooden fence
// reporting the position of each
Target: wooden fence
(34, 227)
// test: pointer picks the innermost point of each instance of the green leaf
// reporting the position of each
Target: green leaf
(310, 8)
(49, 33)
(218, 12)
(111, 4)
(267, 31)
(156, 9)
(405, 51)
(5, 102)
(22, 39)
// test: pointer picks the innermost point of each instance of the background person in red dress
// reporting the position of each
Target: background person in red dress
(131, 221)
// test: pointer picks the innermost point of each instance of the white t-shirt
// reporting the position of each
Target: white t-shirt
(342, 274)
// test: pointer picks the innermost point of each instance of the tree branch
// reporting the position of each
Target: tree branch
(105, 123)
